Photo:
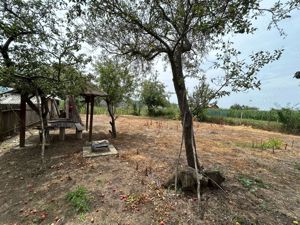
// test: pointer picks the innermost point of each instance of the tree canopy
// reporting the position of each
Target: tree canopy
(202, 96)
(118, 82)
(154, 95)
(38, 48)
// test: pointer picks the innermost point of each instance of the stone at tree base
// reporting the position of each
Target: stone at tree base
(215, 178)
(187, 180)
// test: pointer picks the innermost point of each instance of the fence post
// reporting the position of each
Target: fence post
(22, 121)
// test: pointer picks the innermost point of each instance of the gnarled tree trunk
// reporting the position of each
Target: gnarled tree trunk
(186, 115)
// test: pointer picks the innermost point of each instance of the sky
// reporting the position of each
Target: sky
(278, 88)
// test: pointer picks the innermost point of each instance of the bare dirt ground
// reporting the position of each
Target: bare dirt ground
(261, 187)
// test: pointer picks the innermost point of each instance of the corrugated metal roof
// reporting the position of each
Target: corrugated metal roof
(13, 99)
(4, 89)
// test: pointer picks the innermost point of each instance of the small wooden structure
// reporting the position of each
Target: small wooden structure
(72, 118)
(62, 124)
(89, 93)
(69, 119)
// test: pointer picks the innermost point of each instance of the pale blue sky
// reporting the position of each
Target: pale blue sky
(278, 88)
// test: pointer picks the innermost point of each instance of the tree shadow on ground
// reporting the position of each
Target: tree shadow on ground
(27, 190)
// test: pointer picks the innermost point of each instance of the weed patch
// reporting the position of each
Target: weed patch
(252, 184)
(133, 201)
(79, 199)
(272, 143)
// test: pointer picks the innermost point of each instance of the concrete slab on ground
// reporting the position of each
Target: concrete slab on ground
(87, 151)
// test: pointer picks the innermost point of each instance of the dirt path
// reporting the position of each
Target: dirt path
(260, 187)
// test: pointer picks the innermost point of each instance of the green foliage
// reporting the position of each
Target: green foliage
(153, 95)
(82, 217)
(171, 112)
(39, 50)
(254, 114)
(115, 79)
(136, 107)
(290, 119)
(243, 107)
(79, 199)
(272, 143)
(252, 184)
(285, 119)
(202, 96)
(259, 124)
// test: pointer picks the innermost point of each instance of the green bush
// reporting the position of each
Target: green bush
(170, 112)
(290, 120)
(79, 199)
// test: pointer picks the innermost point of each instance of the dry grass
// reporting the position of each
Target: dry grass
(147, 153)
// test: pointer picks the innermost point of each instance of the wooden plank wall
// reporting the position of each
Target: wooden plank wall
(9, 119)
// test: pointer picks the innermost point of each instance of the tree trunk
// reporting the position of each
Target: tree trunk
(45, 109)
(42, 128)
(186, 115)
(22, 120)
(111, 112)
(113, 128)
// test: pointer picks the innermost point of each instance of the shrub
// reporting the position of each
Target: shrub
(79, 199)
(290, 120)
(170, 112)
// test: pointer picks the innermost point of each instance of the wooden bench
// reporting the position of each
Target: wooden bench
(62, 125)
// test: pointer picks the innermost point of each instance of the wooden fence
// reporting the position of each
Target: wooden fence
(10, 119)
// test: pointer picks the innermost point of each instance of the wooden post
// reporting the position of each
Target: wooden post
(62, 133)
(87, 113)
(67, 107)
(91, 119)
(22, 121)
(78, 134)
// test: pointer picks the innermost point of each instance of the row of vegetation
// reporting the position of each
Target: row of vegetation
(254, 114)
(281, 120)
(285, 119)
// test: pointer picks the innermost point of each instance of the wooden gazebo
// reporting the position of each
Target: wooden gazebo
(89, 92)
